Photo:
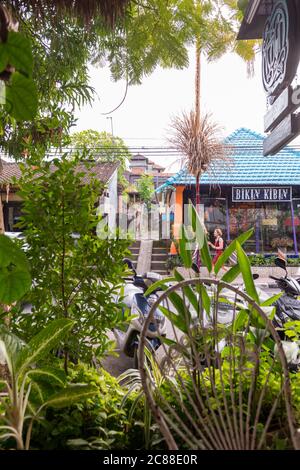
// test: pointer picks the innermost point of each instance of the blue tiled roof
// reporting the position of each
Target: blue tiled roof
(247, 165)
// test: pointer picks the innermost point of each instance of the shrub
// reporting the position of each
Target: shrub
(99, 423)
(74, 279)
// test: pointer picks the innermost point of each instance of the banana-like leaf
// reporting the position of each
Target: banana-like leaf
(184, 248)
(48, 374)
(70, 395)
(10, 347)
(231, 248)
(41, 344)
(245, 267)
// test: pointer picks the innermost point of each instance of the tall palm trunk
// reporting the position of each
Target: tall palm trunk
(197, 111)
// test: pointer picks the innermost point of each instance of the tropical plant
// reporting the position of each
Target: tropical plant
(29, 387)
(18, 90)
(67, 36)
(131, 380)
(15, 279)
(145, 187)
(103, 147)
(75, 263)
(224, 368)
(200, 143)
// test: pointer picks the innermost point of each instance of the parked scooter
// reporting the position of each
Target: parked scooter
(134, 298)
(288, 306)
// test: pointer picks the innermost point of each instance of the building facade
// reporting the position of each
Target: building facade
(250, 191)
(106, 173)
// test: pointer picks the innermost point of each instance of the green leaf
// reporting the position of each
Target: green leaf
(201, 238)
(41, 344)
(3, 57)
(13, 285)
(11, 253)
(231, 248)
(176, 320)
(48, 374)
(159, 285)
(205, 299)
(246, 273)
(231, 274)
(71, 395)
(240, 320)
(18, 49)
(184, 248)
(21, 97)
(188, 291)
(271, 300)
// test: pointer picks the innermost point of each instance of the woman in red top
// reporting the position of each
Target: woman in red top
(219, 244)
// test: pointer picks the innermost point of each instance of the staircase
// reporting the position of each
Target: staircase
(159, 258)
(135, 249)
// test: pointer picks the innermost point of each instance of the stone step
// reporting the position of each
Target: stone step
(159, 257)
(155, 265)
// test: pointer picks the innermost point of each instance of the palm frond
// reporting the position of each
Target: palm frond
(109, 10)
(200, 143)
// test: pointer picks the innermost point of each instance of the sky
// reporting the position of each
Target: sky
(143, 120)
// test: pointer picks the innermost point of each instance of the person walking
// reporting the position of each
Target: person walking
(218, 245)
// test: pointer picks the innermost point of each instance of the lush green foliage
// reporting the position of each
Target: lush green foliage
(30, 387)
(16, 66)
(15, 279)
(145, 187)
(155, 33)
(101, 146)
(99, 423)
(261, 260)
(73, 277)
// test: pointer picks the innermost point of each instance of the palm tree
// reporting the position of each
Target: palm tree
(200, 142)
(196, 137)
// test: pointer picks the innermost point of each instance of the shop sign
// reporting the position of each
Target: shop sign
(280, 58)
(280, 49)
(261, 194)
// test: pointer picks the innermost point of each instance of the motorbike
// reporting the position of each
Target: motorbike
(139, 305)
(288, 306)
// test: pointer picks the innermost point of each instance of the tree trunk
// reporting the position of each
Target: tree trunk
(198, 81)
(2, 228)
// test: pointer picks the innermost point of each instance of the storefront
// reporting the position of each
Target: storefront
(252, 192)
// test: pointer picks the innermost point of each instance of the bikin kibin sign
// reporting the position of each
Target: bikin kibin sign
(261, 194)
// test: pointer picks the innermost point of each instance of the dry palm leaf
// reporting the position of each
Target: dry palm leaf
(200, 143)
(109, 10)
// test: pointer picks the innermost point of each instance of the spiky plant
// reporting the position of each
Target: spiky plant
(200, 142)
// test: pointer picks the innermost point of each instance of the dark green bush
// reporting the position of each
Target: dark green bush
(99, 423)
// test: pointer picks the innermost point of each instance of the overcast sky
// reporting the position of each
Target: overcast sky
(143, 119)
